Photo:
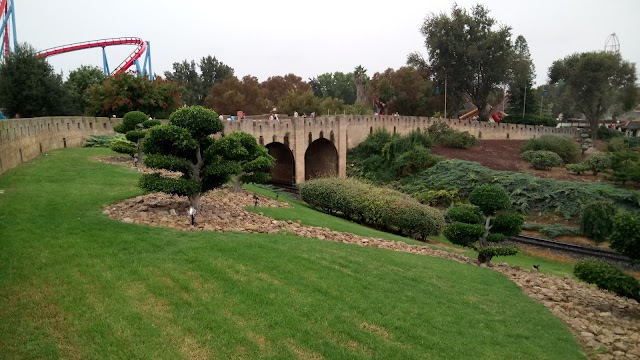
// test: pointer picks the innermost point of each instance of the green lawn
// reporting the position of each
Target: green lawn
(76, 284)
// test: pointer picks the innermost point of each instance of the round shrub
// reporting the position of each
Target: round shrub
(508, 224)
(496, 237)
(458, 140)
(607, 277)
(528, 155)
(124, 147)
(564, 146)
(200, 121)
(466, 213)
(625, 235)
(132, 119)
(596, 221)
(545, 160)
(463, 234)
(597, 162)
(490, 198)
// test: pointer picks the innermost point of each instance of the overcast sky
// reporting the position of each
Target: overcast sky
(307, 38)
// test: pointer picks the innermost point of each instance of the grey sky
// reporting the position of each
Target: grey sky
(266, 38)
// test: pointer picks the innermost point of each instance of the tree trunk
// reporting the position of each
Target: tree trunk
(194, 200)
(484, 258)
(593, 125)
(140, 153)
(237, 186)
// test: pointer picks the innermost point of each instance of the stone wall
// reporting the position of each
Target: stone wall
(24, 139)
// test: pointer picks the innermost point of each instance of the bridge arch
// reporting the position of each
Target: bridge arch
(320, 160)
(284, 170)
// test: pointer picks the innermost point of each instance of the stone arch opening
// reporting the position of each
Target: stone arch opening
(284, 170)
(320, 160)
(332, 137)
(371, 130)
(261, 140)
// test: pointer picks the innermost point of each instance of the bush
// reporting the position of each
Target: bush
(529, 155)
(103, 141)
(545, 160)
(577, 169)
(124, 146)
(597, 162)
(414, 160)
(607, 277)
(437, 197)
(458, 140)
(605, 133)
(596, 221)
(625, 235)
(463, 234)
(496, 237)
(379, 207)
(508, 224)
(498, 251)
(465, 213)
(564, 146)
(490, 198)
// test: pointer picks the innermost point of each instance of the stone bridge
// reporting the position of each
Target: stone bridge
(307, 148)
(304, 148)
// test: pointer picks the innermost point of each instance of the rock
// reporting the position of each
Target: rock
(321, 237)
(593, 344)
(128, 220)
(620, 346)
(173, 212)
(619, 331)
(106, 212)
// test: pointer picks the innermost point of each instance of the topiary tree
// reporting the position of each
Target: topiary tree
(596, 221)
(466, 227)
(134, 125)
(251, 161)
(625, 237)
(542, 159)
(186, 145)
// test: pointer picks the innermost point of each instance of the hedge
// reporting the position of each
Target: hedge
(607, 277)
(382, 208)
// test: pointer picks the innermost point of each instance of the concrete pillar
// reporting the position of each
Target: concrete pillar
(299, 135)
(341, 144)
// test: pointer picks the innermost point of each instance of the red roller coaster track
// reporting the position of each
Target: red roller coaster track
(124, 66)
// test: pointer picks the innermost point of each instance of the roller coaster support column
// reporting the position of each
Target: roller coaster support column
(105, 63)
(147, 62)
(7, 12)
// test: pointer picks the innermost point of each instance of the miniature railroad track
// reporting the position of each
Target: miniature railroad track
(571, 249)
(284, 187)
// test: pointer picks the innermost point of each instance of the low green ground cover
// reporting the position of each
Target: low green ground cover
(76, 284)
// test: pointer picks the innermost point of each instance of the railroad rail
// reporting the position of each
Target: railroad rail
(570, 249)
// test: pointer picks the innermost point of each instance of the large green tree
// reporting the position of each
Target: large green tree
(522, 73)
(187, 145)
(405, 91)
(361, 80)
(337, 85)
(597, 81)
(125, 92)
(77, 83)
(233, 95)
(470, 51)
(196, 85)
(29, 87)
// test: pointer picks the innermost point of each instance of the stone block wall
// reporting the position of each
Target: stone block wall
(24, 139)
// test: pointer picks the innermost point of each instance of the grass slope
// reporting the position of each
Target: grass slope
(75, 284)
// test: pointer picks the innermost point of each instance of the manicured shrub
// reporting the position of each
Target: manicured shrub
(577, 169)
(490, 252)
(625, 235)
(545, 160)
(596, 221)
(103, 141)
(597, 162)
(414, 160)
(607, 277)
(508, 224)
(379, 207)
(458, 140)
(463, 234)
(528, 155)
(564, 146)
(466, 213)
(605, 133)
(437, 197)
(496, 237)
(490, 198)
(121, 145)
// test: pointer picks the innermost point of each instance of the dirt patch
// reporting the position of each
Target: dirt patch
(302, 353)
(376, 330)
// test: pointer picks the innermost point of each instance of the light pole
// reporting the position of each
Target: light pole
(524, 103)
(445, 97)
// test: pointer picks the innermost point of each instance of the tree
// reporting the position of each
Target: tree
(360, 79)
(125, 92)
(337, 85)
(404, 90)
(186, 75)
(77, 83)
(521, 80)
(186, 145)
(469, 52)
(625, 237)
(597, 82)
(233, 95)
(29, 87)
(303, 103)
(212, 72)
(277, 87)
(251, 161)
(135, 125)
(466, 226)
